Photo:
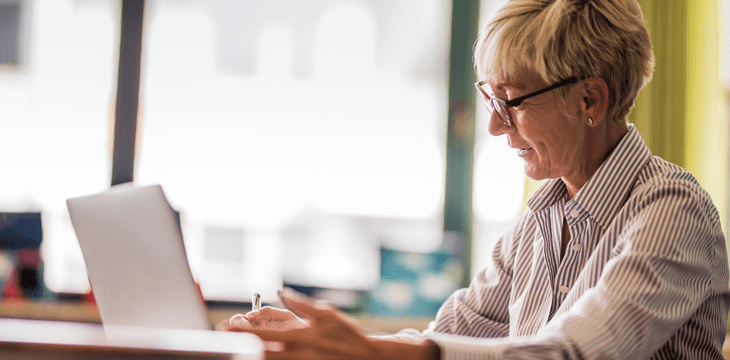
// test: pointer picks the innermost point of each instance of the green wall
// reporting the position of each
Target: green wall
(683, 113)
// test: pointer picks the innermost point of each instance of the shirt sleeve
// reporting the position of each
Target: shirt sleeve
(664, 266)
(482, 309)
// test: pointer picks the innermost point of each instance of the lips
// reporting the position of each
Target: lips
(521, 151)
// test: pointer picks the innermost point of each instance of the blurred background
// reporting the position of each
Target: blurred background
(335, 146)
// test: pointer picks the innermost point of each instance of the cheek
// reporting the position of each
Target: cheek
(552, 137)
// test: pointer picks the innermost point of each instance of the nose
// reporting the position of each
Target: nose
(497, 126)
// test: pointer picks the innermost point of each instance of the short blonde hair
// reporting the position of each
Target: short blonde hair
(559, 39)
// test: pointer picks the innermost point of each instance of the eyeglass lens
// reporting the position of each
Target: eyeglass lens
(496, 104)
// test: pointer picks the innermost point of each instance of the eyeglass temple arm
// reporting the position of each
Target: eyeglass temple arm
(519, 100)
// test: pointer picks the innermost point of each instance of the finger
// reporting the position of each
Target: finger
(223, 325)
(264, 315)
(295, 295)
(239, 321)
(299, 304)
(253, 317)
(313, 309)
(235, 319)
(331, 318)
(296, 336)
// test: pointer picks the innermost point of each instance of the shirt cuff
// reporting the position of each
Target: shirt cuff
(412, 336)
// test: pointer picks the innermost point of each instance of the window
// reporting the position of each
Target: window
(296, 137)
(9, 33)
(56, 112)
(498, 195)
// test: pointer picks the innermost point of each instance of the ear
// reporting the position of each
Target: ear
(594, 99)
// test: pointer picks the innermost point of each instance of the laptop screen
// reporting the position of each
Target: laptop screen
(131, 242)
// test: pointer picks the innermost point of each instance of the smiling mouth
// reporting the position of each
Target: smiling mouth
(522, 152)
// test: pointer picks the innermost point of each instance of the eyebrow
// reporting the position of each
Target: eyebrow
(501, 85)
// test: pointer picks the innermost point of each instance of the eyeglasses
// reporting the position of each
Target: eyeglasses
(502, 106)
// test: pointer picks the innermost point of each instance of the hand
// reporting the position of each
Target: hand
(268, 318)
(332, 335)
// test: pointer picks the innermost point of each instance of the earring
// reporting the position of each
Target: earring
(590, 121)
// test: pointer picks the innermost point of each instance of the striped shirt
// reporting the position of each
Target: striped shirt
(644, 276)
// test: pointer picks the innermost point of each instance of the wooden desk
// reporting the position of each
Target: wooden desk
(47, 310)
(46, 340)
(80, 312)
(60, 311)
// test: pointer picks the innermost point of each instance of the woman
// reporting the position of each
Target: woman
(620, 254)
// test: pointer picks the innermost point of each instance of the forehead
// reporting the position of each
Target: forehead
(519, 81)
(501, 72)
(502, 84)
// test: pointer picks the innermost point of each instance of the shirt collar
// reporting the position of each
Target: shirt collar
(605, 192)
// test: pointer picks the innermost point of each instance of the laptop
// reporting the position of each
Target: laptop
(135, 257)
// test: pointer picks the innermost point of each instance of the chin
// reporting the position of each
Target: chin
(534, 173)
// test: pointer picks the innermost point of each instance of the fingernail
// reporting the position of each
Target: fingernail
(235, 319)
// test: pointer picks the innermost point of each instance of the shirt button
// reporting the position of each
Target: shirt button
(564, 289)
(576, 247)
(574, 213)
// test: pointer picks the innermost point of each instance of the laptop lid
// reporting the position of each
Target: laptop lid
(135, 257)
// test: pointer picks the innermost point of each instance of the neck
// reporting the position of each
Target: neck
(599, 143)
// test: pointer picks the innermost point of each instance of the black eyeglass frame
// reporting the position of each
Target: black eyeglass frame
(489, 101)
